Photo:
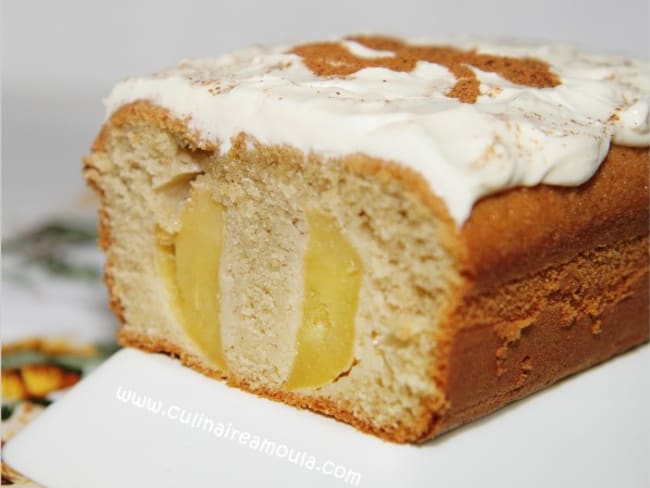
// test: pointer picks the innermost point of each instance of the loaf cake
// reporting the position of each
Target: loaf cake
(403, 235)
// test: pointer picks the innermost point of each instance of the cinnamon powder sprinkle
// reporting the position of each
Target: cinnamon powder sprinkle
(334, 59)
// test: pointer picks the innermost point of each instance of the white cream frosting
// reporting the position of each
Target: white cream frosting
(513, 135)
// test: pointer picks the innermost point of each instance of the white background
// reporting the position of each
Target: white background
(60, 58)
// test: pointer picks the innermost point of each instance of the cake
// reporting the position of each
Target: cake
(403, 235)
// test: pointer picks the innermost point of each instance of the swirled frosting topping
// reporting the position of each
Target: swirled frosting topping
(473, 118)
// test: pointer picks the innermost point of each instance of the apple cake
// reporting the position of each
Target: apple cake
(404, 235)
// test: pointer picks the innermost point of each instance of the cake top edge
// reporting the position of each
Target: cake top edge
(472, 117)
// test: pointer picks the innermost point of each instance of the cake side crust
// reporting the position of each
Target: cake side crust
(524, 230)
(532, 248)
(528, 334)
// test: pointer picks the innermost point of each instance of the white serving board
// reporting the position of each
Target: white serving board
(591, 430)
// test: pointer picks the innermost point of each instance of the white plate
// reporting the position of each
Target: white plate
(591, 430)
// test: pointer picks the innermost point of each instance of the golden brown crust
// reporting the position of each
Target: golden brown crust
(525, 237)
(158, 117)
(548, 351)
(517, 338)
(523, 230)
